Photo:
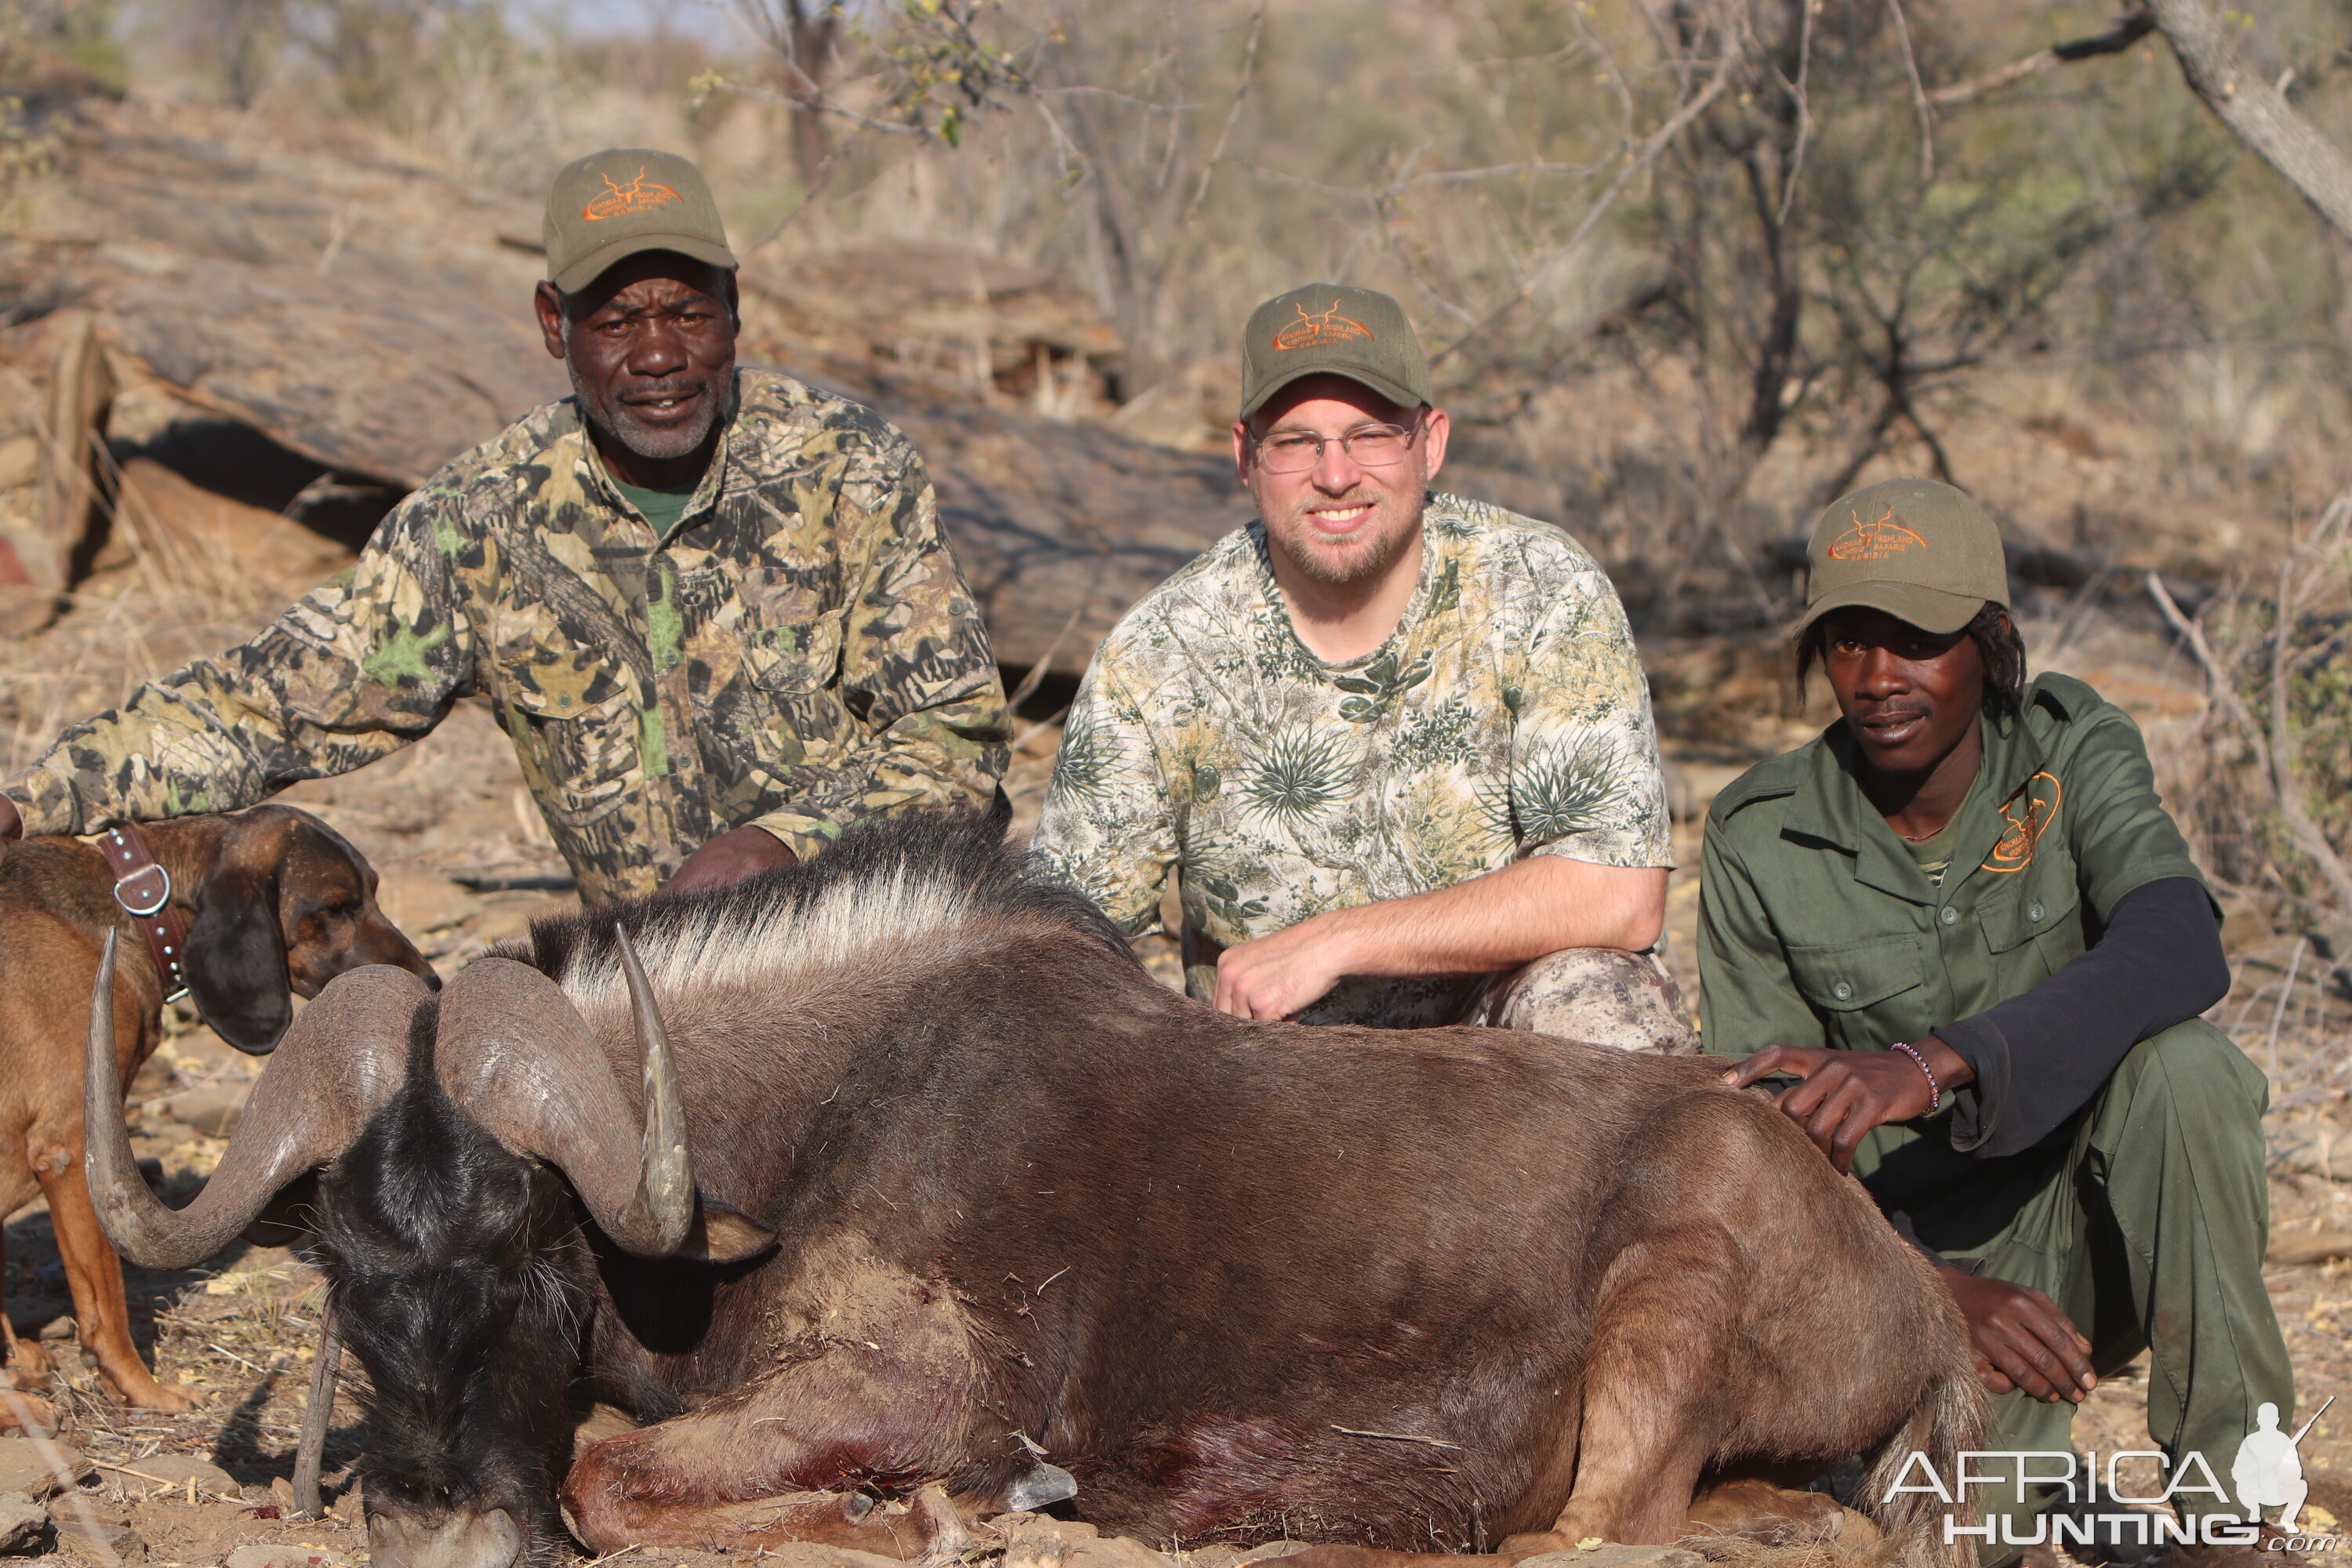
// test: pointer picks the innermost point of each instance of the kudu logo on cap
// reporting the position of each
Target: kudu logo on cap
(1923, 552)
(613, 204)
(1330, 329)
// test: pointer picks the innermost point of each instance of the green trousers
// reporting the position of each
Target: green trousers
(2147, 1225)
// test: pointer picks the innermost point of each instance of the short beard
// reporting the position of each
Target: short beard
(1369, 560)
(613, 420)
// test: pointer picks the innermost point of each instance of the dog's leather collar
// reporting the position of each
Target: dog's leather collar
(143, 888)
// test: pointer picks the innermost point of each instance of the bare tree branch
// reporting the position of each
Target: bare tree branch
(2273, 760)
(2114, 41)
(1233, 117)
(1797, 91)
(1918, 93)
(1637, 159)
(2257, 110)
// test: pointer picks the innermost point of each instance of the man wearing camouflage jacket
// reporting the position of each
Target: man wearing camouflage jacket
(713, 608)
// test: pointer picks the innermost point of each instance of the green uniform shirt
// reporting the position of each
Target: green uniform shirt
(799, 651)
(1818, 927)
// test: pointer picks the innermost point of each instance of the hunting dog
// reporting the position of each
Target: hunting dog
(273, 903)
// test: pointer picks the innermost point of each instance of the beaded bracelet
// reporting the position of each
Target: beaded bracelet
(1935, 1091)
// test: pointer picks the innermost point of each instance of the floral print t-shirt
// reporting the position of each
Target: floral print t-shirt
(1506, 715)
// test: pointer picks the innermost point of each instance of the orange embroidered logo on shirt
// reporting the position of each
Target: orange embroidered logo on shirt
(1873, 540)
(2029, 814)
(639, 195)
(1330, 327)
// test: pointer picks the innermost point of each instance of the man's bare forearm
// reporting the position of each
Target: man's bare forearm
(1499, 920)
(1542, 904)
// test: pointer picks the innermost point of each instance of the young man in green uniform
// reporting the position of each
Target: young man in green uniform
(1962, 920)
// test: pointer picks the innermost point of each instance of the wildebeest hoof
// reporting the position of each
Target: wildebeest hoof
(1759, 1511)
(940, 1525)
(1533, 1543)
(1043, 1484)
(488, 1540)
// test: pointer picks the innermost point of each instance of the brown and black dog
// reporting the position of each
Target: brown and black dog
(275, 902)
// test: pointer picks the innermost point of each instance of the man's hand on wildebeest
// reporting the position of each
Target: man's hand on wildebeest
(738, 853)
(1846, 1093)
(2021, 1339)
(1275, 976)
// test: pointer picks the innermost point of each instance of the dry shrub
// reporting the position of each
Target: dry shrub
(2268, 797)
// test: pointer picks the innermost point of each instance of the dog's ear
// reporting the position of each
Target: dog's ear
(236, 959)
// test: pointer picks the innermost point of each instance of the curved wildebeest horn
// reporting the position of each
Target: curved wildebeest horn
(515, 1055)
(342, 1060)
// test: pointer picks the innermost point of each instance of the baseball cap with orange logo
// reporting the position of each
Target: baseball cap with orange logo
(613, 204)
(1330, 329)
(1923, 552)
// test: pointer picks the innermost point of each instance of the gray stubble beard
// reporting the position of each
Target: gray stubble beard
(612, 419)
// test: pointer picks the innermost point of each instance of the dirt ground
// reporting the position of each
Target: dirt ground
(467, 863)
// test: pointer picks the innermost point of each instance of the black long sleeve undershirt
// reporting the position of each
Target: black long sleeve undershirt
(2040, 1056)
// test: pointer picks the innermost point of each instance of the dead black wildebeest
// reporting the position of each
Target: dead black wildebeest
(976, 1194)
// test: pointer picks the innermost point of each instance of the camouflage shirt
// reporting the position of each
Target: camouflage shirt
(1506, 715)
(800, 650)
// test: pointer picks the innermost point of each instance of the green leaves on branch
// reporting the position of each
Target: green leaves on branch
(922, 67)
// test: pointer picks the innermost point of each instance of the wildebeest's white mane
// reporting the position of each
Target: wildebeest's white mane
(761, 939)
(907, 891)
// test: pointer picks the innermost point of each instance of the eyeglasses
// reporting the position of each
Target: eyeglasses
(1371, 446)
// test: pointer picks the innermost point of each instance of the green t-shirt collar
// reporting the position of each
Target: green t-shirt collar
(662, 506)
(699, 500)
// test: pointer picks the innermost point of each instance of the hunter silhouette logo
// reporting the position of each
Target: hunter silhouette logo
(2268, 1471)
(2029, 814)
(639, 195)
(1875, 541)
(1330, 327)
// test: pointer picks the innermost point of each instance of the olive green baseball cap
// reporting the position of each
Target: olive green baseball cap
(1330, 329)
(1923, 552)
(613, 204)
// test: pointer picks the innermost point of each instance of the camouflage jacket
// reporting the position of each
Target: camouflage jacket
(800, 651)
(1506, 715)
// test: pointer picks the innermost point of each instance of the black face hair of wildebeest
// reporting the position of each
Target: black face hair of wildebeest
(440, 1132)
(983, 1203)
(460, 1282)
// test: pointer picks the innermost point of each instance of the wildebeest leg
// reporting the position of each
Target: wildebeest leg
(746, 1471)
(882, 1394)
(1654, 1390)
(612, 1502)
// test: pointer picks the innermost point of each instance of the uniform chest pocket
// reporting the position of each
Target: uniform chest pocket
(793, 658)
(1850, 976)
(2027, 907)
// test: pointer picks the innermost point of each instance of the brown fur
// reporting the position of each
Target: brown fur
(1435, 1291)
(990, 1193)
(276, 902)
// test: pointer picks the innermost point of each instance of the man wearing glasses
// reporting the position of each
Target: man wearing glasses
(1397, 744)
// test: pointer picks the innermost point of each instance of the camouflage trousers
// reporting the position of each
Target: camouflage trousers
(1601, 995)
